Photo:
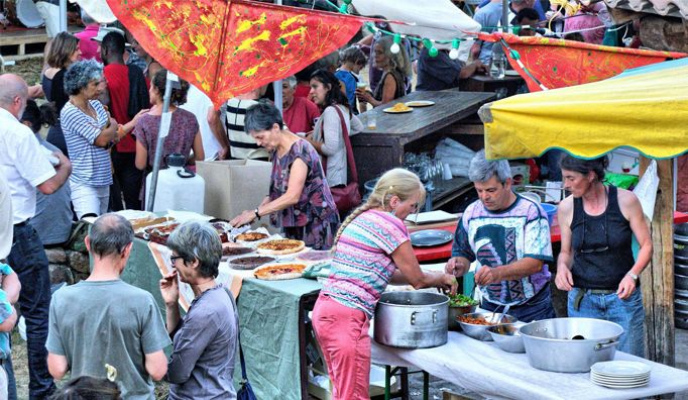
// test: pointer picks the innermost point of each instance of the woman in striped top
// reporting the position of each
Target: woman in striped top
(88, 130)
(372, 249)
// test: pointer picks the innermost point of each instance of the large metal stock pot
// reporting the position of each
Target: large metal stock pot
(411, 320)
(570, 344)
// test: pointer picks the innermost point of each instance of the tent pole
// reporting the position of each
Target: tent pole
(63, 15)
(277, 85)
(657, 284)
(505, 16)
(164, 131)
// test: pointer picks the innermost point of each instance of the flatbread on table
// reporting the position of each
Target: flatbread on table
(280, 247)
(251, 236)
(249, 262)
(279, 272)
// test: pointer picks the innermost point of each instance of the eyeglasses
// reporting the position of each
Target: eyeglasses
(173, 259)
(599, 249)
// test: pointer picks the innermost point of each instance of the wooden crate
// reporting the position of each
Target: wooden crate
(20, 45)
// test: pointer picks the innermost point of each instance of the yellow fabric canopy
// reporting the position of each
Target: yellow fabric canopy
(645, 109)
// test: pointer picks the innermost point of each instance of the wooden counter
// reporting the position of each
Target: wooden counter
(381, 149)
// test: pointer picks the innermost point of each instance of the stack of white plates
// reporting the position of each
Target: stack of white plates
(620, 374)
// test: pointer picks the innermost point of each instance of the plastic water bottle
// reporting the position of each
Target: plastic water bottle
(498, 62)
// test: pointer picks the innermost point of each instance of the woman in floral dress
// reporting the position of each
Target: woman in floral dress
(300, 200)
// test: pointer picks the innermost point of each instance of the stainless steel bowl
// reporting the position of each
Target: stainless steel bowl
(455, 312)
(570, 344)
(507, 338)
(477, 331)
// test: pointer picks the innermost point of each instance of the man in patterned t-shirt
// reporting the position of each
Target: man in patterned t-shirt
(509, 237)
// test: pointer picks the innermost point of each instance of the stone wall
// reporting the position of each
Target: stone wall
(67, 265)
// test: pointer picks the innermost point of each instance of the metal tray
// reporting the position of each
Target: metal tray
(430, 238)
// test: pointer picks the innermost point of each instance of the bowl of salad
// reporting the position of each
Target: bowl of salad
(459, 304)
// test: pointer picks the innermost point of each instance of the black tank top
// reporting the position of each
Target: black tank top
(602, 253)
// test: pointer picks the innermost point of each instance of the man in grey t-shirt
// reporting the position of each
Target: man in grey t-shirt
(103, 320)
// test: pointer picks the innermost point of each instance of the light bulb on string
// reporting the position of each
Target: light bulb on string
(433, 52)
(454, 52)
(394, 48)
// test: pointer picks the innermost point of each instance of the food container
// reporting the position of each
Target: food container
(479, 331)
(456, 312)
(507, 338)
(411, 320)
(570, 344)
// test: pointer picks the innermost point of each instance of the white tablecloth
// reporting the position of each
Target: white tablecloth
(483, 368)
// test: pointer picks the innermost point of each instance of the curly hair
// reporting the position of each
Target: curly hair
(61, 49)
(178, 94)
(80, 74)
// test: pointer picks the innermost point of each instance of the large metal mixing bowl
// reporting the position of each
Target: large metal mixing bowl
(570, 344)
(479, 331)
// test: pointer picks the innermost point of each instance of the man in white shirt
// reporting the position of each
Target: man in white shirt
(27, 168)
(5, 218)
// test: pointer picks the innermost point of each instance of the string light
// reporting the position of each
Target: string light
(433, 52)
(394, 48)
(454, 52)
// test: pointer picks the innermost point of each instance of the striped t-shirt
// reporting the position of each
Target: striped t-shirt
(362, 264)
(90, 163)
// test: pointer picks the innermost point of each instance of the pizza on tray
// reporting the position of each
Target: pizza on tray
(251, 237)
(278, 272)
(280, 247)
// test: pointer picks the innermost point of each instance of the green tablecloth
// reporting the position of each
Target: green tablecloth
(269, 321)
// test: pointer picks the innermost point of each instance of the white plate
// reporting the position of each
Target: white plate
(619, 381)
(419, 103)
(511, 72)
(621, 369)
(391, 110)
(603, 376)
(618, 386)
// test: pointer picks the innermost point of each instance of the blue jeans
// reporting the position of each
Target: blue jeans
(27, 258)
(539, 307)
(628, 313)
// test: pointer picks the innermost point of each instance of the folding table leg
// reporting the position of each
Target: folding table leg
(426, 385)
(388, 382)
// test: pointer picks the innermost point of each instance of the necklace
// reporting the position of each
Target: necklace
(88, 110)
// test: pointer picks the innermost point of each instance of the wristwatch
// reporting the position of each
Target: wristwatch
(256, 213)
(634, 276)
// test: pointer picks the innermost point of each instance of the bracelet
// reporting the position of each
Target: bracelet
(633, 276)
(256, 213)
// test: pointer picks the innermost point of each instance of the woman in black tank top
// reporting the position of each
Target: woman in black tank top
(596, 264)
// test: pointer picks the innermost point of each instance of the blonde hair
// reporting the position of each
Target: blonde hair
(396, 182)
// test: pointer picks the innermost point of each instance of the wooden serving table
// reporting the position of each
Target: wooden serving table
(381, 149)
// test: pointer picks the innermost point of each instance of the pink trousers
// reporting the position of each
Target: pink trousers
(342, 333)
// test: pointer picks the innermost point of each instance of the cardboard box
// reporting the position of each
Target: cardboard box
(234, 186)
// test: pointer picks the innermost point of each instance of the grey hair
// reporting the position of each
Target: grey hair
(482, 170)
(262, 117)
(12, 86)
(87, 19)
(80, 74)
(195, 240)
(110, 234)
(353, 54)
(291, 81)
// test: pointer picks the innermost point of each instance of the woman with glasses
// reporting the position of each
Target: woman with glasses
(206, 338)
(596, 264)
(372, 249)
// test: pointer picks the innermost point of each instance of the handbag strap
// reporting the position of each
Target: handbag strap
(241, 351)
(347, 143)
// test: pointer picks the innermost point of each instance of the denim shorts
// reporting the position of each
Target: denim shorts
(628, 313)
